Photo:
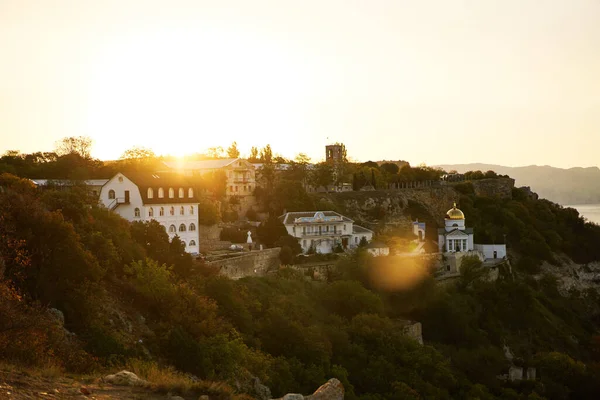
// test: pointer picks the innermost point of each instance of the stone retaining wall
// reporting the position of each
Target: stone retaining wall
(253, 263)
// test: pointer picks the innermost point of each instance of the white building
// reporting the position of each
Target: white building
(170, 200)
(455, 240)
(455, 237)
(324, 230)
(378, 249)
(240, 174)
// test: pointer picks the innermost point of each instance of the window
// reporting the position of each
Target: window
(231, 188)
(150, 193)
(304, 230)
(190, 193)
(136, 212)
(161, 193)
(355, 239)
(151, 212)
(111, 194)
(181, 193)
(172, 210)
(171, 193)
(161, 212)
(182, 228)
(192, 243)
(120, 179)
(172, 229)
(191, 210)
(192, 227)
(181, 210)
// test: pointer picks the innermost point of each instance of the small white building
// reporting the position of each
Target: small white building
(324, 230)
(168, 199)
(419, 230)
(378, 249)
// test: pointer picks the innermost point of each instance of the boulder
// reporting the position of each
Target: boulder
(262, 392)
(332, 390)
(125, 378)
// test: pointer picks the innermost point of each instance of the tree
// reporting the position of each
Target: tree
(253, 154)
(137, 153)
(81, 145)
(322, 175)
(390, 168)
(266, 154)
(270, 231)
(232, 151)
(215, 152)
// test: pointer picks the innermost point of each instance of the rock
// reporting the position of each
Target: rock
(293, 396)
(261, 392)
(125, 378)
(85, 391)
(171, 397)
(332, 390)
(57, 315)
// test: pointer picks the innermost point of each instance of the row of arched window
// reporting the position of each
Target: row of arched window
(161, 193)
(182, 228)
(161, 211)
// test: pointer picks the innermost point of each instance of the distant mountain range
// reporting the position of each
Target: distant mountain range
(570, 186)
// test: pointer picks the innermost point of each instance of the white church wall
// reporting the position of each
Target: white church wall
(489, 249)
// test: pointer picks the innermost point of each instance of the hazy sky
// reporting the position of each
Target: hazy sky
(513, 82)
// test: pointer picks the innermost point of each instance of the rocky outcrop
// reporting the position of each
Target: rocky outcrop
(125, 378)
(496, 187)
(332, 390)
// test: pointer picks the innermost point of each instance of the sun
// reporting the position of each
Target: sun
(182, 92)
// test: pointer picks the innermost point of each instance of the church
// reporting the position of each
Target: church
(455, 241)
(455, 237)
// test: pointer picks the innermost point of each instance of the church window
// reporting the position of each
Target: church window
(150, 193)
(161, 193)
(190, 193)
(192, 227)
(137, 212)
(151, 212)
(171, 193)
(181, 193)
(111, 194)
(172, 210)
(182, 228)
(181, 210)
(161, 212)
(172, 229)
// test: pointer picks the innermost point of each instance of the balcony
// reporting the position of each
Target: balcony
(117, 202)
(242, 180)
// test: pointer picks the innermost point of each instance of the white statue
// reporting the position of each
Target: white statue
(249, 240)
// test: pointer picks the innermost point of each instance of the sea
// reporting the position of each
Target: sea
(590, 211)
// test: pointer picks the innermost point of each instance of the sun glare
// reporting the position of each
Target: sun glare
(180, 93)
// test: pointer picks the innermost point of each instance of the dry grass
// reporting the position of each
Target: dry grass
(168, 380)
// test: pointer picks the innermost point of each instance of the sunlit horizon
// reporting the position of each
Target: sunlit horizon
(510, 83)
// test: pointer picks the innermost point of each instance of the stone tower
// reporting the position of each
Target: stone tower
(335, 153)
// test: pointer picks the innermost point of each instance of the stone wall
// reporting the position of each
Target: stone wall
(209, 237)
(253, 263)
(497, 187)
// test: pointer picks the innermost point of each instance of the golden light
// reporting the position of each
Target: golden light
(396, 272)
(180, 92)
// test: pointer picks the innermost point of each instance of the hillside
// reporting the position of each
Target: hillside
(564, 186)
(84, 291)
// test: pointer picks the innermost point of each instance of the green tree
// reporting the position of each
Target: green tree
(81, 145)
(232, 151)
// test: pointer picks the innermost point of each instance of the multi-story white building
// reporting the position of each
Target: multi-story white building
(168, 199)
(324, 230)
(240, 174)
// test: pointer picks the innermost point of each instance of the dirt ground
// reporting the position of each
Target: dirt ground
(17, 384)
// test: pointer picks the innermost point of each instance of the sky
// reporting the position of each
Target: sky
(510, 82)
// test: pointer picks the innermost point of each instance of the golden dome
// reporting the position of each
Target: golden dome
(455, 213)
